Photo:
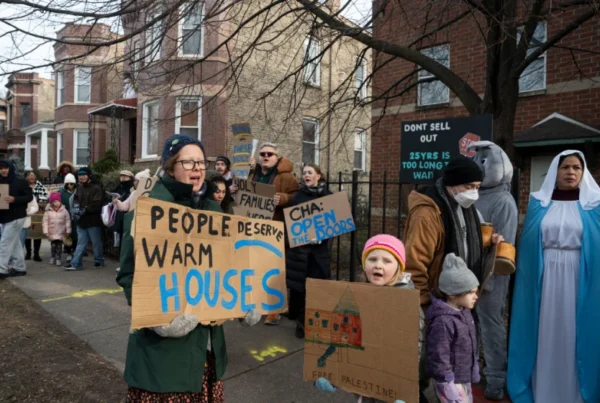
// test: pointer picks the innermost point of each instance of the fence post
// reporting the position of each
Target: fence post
(337, 271)
(353, 233)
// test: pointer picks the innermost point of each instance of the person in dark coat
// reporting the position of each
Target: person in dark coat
(307, 260)
(12, 220)
(126, 186)
(62, 170)
(218, 191)
(223, 167)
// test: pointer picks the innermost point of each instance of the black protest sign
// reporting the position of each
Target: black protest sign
(428, 145)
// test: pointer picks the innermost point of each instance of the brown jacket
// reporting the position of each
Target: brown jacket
(425, 242)
(285, 184)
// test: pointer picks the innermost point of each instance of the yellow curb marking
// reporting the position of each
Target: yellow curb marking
(85, 293)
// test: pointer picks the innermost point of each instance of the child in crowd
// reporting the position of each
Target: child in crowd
(56, 225)
(452, 356)
(383, 261)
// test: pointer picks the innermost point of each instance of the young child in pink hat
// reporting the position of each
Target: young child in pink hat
(56, 224)
(383, 263)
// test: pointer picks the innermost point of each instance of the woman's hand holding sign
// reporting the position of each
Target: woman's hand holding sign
(179, 327)
(277, 199)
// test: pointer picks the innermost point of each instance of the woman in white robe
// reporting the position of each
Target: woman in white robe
(551, 359)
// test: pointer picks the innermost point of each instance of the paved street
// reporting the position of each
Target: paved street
(265, 363)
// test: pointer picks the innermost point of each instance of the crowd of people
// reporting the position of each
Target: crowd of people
(552, 356)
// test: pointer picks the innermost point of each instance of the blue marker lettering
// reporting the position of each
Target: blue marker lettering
(230, 289)
(272, 291)
(193, 273)
(245, 288)
(318, 221)
(211, 301)
(296, 229)
(165, 293)
(330, 218)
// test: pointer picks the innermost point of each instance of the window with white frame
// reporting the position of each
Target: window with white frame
(60, 88)
(81, 149)
(136, 58)
(83, 84)
(189, 117)
(434, 92)
(190, 30)
(360, 150)
(312, 61)
(59, 146)
(310, 141)
(150, 130)
(360, 78)
(153, 39)
(533, 78)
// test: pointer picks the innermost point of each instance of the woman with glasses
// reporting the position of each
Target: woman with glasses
(275, 170)
(183, 361)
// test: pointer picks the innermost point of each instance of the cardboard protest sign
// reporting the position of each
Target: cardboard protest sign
(320, 219)
(53, 188)
(242, 150)
(35, 230)
(144, 187)
(4, 192)
(363, 338)
(254, 200)
(215, 266)
(426, 146)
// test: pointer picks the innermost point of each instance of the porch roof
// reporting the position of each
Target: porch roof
(38, 127)
(557, 129)
(118, 106)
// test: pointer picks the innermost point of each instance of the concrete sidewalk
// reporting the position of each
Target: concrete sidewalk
(265, 362)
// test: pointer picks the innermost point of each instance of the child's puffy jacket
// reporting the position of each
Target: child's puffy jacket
(56, 224)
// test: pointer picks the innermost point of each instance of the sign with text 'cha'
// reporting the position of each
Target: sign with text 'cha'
(319, 219)
(427, 145)
(254, 200)
(363, 338)
(242, 150)
(215, 266)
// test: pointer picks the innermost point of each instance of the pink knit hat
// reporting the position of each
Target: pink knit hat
(388, 243)
(54, 196)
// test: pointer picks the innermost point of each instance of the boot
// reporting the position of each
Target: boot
(299, 330)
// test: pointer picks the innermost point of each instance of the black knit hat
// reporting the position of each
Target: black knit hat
(461, 170)
(225, 160)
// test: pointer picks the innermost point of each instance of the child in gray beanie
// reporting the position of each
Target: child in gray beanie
(452, 356)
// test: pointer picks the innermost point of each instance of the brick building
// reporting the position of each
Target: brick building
(559, 100)
(175, 93)
(88, 80)
(29, 113)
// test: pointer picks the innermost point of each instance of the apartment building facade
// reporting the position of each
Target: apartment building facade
(182, 78)
(29, 113)
(559, 94)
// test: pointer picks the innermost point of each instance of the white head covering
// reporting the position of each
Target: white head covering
(589, 193)
(143, 174)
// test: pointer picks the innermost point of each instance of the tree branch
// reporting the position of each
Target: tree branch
(463, 91)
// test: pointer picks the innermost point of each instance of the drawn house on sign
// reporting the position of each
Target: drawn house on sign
(340, 327)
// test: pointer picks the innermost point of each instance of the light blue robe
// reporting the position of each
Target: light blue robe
(523, 342)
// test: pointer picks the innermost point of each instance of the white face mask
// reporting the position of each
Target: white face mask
(467, 198)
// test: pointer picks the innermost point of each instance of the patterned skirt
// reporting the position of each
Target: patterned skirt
(212, 390)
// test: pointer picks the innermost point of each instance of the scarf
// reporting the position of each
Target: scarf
(314, 190)
(40, 192)
(465, 244)
(197, 196)
(267, 178)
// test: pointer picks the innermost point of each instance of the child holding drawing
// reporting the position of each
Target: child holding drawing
(383, 260)
(452, 356)
(56, 225)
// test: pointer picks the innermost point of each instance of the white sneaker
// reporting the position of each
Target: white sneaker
(69, 258)
(57, 262)
(52, 261)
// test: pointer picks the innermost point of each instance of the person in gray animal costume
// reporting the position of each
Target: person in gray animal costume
(498, 207)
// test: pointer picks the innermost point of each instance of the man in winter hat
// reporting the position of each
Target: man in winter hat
(498, 207)
(223, 167)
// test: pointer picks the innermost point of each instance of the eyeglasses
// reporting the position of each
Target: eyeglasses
(188, 165)
(269, 155)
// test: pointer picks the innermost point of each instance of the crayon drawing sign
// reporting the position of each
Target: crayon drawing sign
(215, 266)
(254, 200)
(4, 192)
(320, 219)
(242, 150)
(363, 338)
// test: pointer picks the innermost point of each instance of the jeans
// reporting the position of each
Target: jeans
(9, 246)
(23, 236)
(84, 236)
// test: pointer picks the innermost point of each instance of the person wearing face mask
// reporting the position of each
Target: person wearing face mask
(442, 219)
(307, 261)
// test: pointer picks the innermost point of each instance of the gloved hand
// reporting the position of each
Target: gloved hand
(450, 391)
(179, 327)
(252, 318)
(324, 385)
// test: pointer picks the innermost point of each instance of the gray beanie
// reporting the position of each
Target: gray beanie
(456, 278)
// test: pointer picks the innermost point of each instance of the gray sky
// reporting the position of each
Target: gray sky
(30, 51)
